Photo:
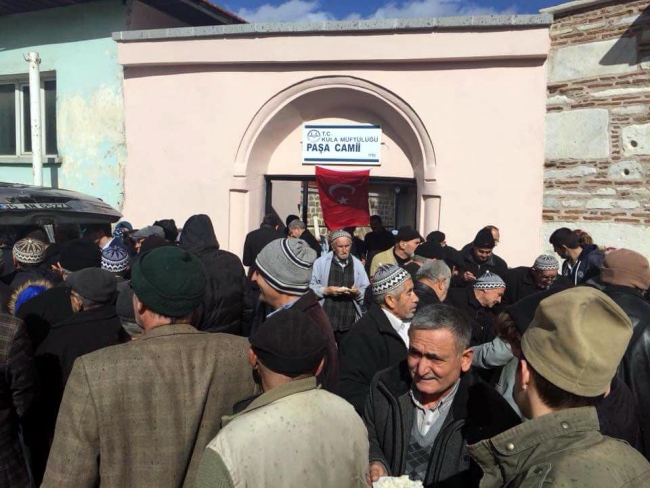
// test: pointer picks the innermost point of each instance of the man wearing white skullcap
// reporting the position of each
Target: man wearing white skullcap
(526, 280)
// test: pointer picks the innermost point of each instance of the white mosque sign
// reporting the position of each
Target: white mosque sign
(341, 144)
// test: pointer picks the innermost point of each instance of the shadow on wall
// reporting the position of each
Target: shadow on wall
(631, 47)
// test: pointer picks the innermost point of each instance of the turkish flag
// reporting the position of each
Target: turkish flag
(343, 197)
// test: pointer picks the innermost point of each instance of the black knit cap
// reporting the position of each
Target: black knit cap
(80, 254)
(407, 233)
(436, 236)
(430, 250)
(289, 343)
(484, 239)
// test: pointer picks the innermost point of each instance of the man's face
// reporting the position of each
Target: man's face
(409, 246)
(295, 232)
(441, 289)
(375, 224)
(341, 248)
(489, 298)
(481, 254)
(435, 361)
(561, 251)
(544, 278)
(138, 244)
(267, 292)
(404, 305)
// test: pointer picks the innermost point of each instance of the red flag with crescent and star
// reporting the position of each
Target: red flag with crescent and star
(343, 197)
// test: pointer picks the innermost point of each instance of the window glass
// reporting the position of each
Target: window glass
(27, 122)
(7, 119)
(50, 116)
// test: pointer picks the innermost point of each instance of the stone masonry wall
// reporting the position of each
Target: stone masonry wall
(597, 168)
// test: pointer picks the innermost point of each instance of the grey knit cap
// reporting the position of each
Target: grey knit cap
(339, 233)
(387, 278)
(546, 262)
(148, 231)
(489, 281)
(29, 251)
(286, 265)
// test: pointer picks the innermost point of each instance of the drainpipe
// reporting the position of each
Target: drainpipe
(35, 116)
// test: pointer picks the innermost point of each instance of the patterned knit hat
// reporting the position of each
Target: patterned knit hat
(29, 251)
(285, 264)
(339, 233)
(489, 281)
(545, 262)
(387, 278)
(115, 259)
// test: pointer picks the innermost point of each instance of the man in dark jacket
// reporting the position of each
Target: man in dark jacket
(624, 277)
(298, 230)
(283, 272)
(53, 305)
(257, 239)
(93, 325)
(380, 338)
(524, 281)
(17, 393)
(227, 303)
(423, 412)
(477, 301)
(378, 239)
(581, 262)
(480, 258)
(432, 283)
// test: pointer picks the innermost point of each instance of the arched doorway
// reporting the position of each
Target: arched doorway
(271, 145)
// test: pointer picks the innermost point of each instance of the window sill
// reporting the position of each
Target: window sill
(27, 160)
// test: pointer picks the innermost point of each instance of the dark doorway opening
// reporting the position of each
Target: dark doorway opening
(394, 199)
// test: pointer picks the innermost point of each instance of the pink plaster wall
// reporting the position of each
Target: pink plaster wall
(480, 95)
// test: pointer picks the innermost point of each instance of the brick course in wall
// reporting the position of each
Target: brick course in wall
(604, 181)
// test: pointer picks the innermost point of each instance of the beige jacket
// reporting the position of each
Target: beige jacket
(294, 435)
(384, 257)
(140, 414)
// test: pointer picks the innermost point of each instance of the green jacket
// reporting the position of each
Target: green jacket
(294, 435)
(560, 449)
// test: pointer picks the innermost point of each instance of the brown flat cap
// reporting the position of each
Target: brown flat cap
(626, 268)
(577, 339)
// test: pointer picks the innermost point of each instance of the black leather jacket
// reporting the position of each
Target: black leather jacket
(634, 369)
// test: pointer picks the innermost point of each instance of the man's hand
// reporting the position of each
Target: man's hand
(468, 276)
(354, 291)
(375, 471)
(332, 290)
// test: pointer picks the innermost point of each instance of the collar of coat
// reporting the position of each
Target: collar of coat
(531, 436)
(168, 330)
(383, 324)
(266, 398)
(97, 314)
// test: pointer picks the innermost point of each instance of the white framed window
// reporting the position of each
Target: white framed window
(15, 123)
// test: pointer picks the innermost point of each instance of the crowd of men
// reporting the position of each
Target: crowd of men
(153, 358)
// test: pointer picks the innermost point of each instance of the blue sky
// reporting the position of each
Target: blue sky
(316, 10)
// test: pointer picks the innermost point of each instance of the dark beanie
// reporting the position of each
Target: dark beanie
(430, 250)
(80, 254)
(289, 343)
(153, 242)
(170, 281)
(436, 236)
(484, 239)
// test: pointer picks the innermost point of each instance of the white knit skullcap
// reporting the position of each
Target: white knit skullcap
(545, 262)
(489, 281)
(387, 278)
(339, 233)
(29, 251)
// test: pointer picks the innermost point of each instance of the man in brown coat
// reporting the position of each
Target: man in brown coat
(140, 414)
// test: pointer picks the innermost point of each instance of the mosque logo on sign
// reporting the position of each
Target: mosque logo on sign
(313, 136)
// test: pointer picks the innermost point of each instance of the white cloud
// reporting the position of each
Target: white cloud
(311, 11)
(434, 8)
(290, 11)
